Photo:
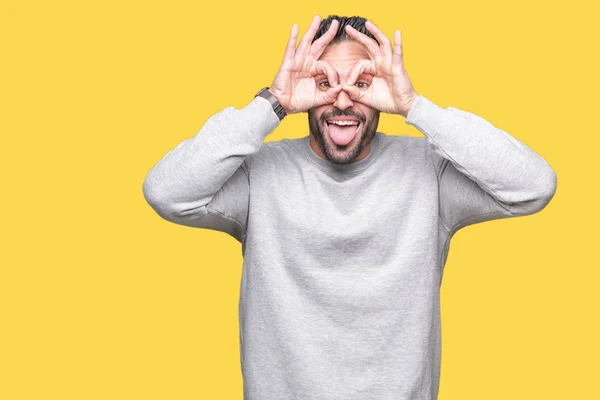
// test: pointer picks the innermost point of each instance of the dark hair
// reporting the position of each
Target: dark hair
(356, 22)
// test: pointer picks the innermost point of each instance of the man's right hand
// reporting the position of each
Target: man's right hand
(294, 85)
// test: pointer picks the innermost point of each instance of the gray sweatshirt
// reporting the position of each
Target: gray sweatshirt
(340, 288)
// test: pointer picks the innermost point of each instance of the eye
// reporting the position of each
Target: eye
(324, 84)
(362, 85)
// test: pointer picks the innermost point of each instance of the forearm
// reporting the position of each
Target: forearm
(189, 175)
(501, 165)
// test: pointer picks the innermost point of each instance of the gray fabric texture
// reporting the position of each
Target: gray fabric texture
(340, 289)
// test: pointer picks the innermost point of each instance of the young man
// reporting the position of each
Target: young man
(345, 232)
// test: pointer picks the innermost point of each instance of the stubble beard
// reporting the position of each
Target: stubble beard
(345, 154)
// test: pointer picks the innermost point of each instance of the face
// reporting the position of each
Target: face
(323, 133)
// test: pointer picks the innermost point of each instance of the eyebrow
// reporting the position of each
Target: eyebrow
(325, 75)
(338, 75)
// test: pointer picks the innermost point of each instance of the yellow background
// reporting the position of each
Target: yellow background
(102, 299)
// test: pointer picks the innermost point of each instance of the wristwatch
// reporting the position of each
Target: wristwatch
(277, 107)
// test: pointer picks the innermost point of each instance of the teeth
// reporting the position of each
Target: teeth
(344, 122)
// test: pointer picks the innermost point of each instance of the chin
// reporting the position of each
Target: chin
(342, 154)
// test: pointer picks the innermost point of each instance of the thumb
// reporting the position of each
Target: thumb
(354, 92)
(328, 96)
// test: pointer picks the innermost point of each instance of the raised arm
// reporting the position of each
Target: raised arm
(204, 181)
(483, 172)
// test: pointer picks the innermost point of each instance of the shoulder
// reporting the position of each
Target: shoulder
(397, 145)
(275, 152)
(279, 148)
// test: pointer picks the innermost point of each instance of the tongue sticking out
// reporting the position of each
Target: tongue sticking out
(342, 134)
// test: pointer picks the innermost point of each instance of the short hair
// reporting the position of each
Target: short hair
(356, 22)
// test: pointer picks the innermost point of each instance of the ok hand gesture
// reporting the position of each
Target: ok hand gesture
(294, 85)
(391, 90)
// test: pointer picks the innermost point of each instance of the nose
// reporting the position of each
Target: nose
(343, 100)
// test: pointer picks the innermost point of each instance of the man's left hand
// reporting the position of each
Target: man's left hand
(390, 90)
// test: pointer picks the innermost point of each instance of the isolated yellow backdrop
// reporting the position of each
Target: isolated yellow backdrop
(102, 299)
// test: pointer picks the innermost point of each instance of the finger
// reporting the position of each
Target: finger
(354, 92)
(358, 68)
(327, 97)
(397, 57)
(384, 42)
(370, 44)
(290, 49)
(325, 67)
(309, 35)
(317, 48)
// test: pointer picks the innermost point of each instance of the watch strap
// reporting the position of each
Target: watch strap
(277, 107)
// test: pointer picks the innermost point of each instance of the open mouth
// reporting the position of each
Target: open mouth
(342, 129)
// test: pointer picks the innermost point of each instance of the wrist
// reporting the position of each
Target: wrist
(274, 93)
(410, 104)
(278, 96)
(269, 95)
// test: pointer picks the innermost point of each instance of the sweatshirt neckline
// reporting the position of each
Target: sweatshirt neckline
(328, 166)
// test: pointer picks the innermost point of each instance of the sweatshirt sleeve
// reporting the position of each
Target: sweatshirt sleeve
(483, 172)
(203, 182)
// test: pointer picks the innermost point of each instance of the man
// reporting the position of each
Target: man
(345, 232)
